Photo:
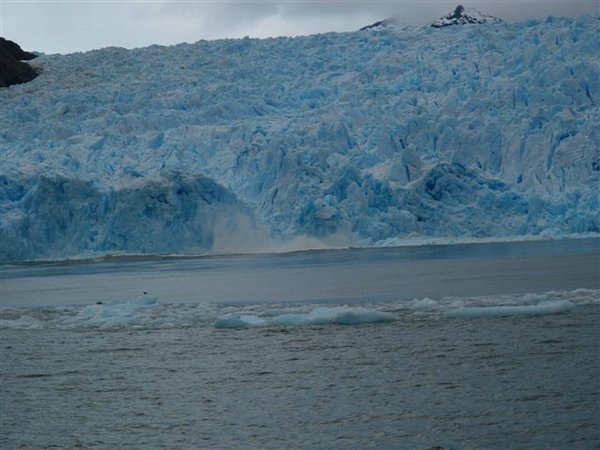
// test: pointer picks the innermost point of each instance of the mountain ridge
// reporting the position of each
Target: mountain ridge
(462, 16)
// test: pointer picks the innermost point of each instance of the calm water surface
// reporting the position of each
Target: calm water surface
(155, 372)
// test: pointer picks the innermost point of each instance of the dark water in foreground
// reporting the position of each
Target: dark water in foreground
(463, 347)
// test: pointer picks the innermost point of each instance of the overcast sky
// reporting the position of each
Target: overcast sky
(65, 26)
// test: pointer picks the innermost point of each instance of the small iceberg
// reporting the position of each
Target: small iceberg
(550, 307)
(114, 314)
(339, 315)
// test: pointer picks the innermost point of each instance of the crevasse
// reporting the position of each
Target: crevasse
(488, 130)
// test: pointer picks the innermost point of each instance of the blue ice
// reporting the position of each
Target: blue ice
(548, 307)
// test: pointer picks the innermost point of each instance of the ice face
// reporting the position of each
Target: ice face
(370, 137)
(62, 216)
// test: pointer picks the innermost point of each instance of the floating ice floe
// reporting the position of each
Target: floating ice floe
(115, 314)
(146, 312)
(549, 307)
(338, 315)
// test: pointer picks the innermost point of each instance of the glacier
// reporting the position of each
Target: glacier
(363, 138)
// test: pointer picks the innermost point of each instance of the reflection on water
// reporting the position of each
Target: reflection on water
(351, 276)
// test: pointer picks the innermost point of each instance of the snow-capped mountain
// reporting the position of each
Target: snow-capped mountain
(462, 16)
(350, 138)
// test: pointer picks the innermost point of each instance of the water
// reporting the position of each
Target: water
(462, 347)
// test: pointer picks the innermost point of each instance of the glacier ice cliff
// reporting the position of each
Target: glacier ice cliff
(488, 130)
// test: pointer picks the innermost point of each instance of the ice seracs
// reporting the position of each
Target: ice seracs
(365, 138)
(462, 16)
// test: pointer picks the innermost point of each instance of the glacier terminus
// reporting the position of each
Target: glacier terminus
(374, 137)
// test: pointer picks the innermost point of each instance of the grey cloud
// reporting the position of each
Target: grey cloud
(73, 26)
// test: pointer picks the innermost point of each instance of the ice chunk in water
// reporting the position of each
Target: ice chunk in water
(550, 307)
(116, 314)
(340, 315)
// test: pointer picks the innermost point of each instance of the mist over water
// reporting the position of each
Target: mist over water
(352, 276)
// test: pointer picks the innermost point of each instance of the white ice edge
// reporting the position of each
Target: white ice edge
(551, 307)
(146, 312)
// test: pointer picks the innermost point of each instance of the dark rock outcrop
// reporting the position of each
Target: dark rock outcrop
(16, 50)
(12, 69)
(462, 16)
(381, 24)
